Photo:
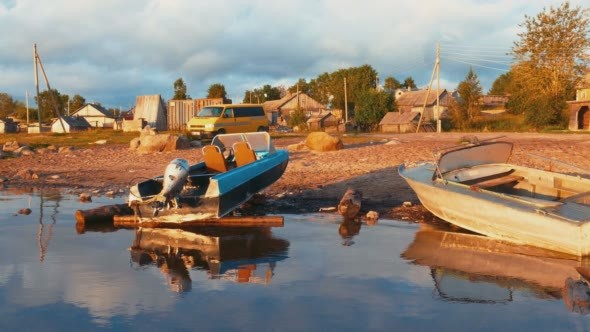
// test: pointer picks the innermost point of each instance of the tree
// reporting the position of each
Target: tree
(501, 85)
(180, 90)
(552, 59)
(409, 83)
(77, 102)
(7, 105)
(371, 107)
(267, 92)
(217, 90)
(47, 102)
(470, 93)
(301, 86)
(391, 84)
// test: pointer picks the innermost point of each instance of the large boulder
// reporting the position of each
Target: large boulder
(160, 143)
(10, 146)
(321, 141)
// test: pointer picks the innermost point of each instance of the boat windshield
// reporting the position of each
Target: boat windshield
(208, 112)
(473, 155)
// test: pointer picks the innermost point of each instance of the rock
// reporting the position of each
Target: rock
(100, 142)
(26, 211)
(110, 193)
(66, 149)
(52, 148)
(135, 143)
(373, 215)
(328, 209)
(10, 146)
(350, 204)
(296, 147)
(576, 296)
(162, 142)
(85, 197)
(26, 174)
(393, 142)
(196, 144)
(320, 141)
(407, 204)
(147, 131)
(3, 179)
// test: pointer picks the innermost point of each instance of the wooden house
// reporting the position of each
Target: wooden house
(69, 124)
(322, 121)
(97, 116)
(398, 122)
(279, 111)
(413, 101)
(579, 110)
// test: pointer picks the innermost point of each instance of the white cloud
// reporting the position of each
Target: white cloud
(112, 51)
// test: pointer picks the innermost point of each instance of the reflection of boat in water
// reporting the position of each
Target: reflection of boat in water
(474, 268)
(240, 255)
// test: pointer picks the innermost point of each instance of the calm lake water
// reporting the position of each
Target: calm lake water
(305, 276)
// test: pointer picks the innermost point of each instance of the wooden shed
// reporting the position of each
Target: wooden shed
(396, 122)
(322, 121)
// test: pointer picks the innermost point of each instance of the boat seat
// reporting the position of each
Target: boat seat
(214, 160)
(498, 181)
(243, 153)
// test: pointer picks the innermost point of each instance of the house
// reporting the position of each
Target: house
(413, 101)
(579, 110)
(493, 104)
(398, 122)
(97, 116)
(152, 110)
(279, 111)
(322, 121)
(8, 126)
(69, 124)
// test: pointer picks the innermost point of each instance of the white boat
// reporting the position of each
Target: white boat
(474, 187)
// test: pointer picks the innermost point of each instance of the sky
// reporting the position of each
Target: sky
(111, 51)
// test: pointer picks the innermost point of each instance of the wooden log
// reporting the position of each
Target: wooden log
(350, 204)
(102, 215)
(127, 221)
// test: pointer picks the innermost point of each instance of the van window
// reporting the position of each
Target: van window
(227, 113)
(210, 112)
(249, 111)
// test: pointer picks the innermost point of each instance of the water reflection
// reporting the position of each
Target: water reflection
(467, 267)
(239, 255)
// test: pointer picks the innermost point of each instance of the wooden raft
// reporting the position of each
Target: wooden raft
(122, 216)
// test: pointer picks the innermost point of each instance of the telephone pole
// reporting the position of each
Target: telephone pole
(345, 104)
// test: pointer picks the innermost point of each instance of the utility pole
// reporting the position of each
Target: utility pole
(345, 104)
(37, 86)
(438, 112)
(27, 102)
(434, 70)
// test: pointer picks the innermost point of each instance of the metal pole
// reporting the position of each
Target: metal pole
(345, 103)
(37, 85)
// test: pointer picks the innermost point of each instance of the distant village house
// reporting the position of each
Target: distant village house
(97, 116)
(69, 124)
(579, 110)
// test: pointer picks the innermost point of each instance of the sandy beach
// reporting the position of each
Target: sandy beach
(313, 180)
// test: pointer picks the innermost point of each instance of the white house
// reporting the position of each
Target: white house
(97, 116)
(70, 124)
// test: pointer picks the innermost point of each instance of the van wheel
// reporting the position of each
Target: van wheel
(221, 131)
(262, 128)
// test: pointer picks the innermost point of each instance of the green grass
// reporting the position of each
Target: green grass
(70, 139)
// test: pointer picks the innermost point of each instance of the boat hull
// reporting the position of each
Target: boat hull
(216, 195)
(497, 216)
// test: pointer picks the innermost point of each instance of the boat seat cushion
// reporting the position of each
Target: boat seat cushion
(214, 160)
(243, 153)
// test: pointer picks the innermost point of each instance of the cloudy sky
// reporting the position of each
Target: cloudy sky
(110, 51)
